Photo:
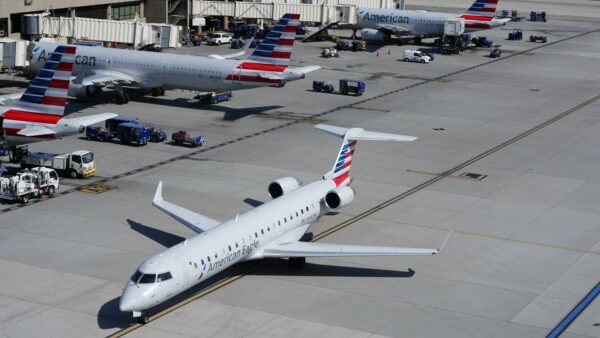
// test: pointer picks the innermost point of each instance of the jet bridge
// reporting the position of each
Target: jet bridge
(320, 11)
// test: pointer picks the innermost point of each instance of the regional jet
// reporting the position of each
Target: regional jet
(277, 228)
(38, 113)
(96, 68)
(381, 24)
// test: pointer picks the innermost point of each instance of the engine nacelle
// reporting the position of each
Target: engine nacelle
(339, 197)
(369, 34)
(283, 186)
(78, 90)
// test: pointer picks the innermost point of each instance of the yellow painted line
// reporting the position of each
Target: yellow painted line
(97, 188)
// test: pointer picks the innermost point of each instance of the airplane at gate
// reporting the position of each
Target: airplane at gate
(274, 229)
(38, 113)
(381, 24)
(96, 67)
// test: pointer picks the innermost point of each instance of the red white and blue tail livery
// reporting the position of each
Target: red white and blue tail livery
(38, 114)
(340, 173)
(276, 48)
(483, 8)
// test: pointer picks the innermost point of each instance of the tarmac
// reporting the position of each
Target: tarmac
(507, 158)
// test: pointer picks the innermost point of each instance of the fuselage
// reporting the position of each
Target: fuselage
(151, 70)
(285, 218)
(420, 23)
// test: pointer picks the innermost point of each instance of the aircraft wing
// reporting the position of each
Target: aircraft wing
(233, 55)
(102, 78)
(36, 131)
(13, 96)
(190, 219)
(306, 69)
(393, 28)
(312, 249)
(95, 118)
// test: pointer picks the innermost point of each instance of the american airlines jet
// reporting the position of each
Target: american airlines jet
(97, 67)
(273, 229)
(381, 24)
(38, 114)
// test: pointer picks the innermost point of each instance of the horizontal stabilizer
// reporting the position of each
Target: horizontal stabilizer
(190, 219)
(363, 135)
(93, 119)
(270, 76)
(242, 52)
(306, 69)
(35, 131)
(308, 249)
(8, 97)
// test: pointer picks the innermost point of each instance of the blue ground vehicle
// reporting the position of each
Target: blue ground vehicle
(351, 86)
(110, 132)
(157, 135)
(482, 41)
(322, 86)
(182, 137)
(516, 34)
(133, 132)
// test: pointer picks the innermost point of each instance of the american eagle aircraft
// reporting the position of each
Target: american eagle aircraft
(97, 67)
(38, 113)
(381, 24)
(274, 229)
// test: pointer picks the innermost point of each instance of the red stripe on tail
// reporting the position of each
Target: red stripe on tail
(25, 116)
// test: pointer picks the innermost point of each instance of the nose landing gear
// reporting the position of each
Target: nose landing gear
(144, 318)
(298, 262)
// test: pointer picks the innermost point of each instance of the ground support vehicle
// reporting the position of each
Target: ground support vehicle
(131, 132)
(495, 52)
(98, 134)
(79, 163)
(482, 41)
(358, 46)
(218, 39)
(182, 137)
(29, 184)
(157, 135)
(538, 38)
(516, 34)
(538, 16)
(322, 86)
(351, 86)
(213, 98)
(415, 56)
(329, 52)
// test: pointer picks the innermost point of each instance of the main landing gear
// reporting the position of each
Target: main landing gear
(157, 91)
(120, 96)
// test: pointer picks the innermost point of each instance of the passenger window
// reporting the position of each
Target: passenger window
(296, 214)
(229, 247)
(306, 209)
(279, 222)
(268, 229)
(285, 219)
(262, 232)
(216, 256)
(202, 261)
(236, 245)
(256, 235)
(208, 258)
(302, 211)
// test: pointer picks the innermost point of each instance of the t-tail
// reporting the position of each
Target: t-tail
(276, 48)
(340, 172)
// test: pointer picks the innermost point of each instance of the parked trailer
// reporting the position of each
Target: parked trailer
(29, 184)
(79, 163)
(351, 86)
(133, 132)
(322, 86)
(182, 137)
(213, 98)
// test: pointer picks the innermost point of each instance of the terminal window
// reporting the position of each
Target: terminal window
(125, 12)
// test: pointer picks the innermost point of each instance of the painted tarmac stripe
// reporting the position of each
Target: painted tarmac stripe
(570, 318)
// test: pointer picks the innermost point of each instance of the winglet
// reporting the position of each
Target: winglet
(158, 195)
(445, 241)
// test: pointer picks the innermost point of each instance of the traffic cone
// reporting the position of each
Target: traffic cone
(377, 54)
(389, 52)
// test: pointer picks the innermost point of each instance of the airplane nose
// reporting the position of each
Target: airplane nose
(127, 303)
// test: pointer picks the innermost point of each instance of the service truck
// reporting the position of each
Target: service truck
(28, 184)
(77, 164)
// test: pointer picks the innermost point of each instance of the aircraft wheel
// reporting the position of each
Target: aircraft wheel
(144, 318)
(300, 262)
(162, 91)
(126, 97)
(417, 40)
(155, 92)
(119, 99)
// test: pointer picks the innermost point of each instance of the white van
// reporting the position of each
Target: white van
(415, 56)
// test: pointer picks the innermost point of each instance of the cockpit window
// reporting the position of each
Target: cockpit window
(147, 279)
(136, 276)
(163, 277)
